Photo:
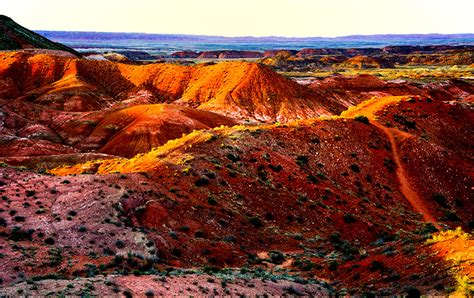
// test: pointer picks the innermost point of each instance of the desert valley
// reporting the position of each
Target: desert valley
(310, 172)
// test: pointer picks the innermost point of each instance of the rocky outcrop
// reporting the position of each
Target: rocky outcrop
(15, 37)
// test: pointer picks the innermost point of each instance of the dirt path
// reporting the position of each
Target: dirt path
(407, 191)
(369, 108)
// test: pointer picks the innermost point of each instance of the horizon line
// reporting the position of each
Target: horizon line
(256, 37)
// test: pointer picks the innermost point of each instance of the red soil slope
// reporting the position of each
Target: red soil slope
(231, 196)
(138, 129)
(411, 181)
(33, 130)
(350, 91)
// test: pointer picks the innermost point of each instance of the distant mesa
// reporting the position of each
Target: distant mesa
(272, 53)
(230, 54)
(463, 58)
(364, 62)
(15, 37)
(184, 54)
(234, 54)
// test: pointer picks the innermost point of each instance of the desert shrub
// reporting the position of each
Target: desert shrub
(19, 218)
(470, 224)
(276, 257)
(17, 234)
(302, 160)
(312, 179)
(232, 157)
(49, 241)
(362, 119)
(211, 201)
(55, 256)
(333, 265)
(412, 292)
(355, 168)
(54, 276)
(277, 168)
(408, 123)
(450, 215)
(375, 266)
(304, 265)
(176, 252)
(120, 244)
(335, 238)
(389, 164)
(30, 193)
(440, 199)
(428, 228)
(256, 221)
(184, 229)
(202, 181)
(349, 218)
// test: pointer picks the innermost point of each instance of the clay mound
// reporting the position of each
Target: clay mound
(238, 89)
(359, 82)
(116, 57)
(184, 54)
(14, 37)
(363, 62)
(138, 129)
(249, 90)
(272, 53)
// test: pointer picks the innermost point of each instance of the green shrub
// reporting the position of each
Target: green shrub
(211, 201)
(376, 265)
(202, 181)
(120, 244)
(17, 234)
(362, 119)
(276, 257)
(349, 218)
(355, 168)
(30, 193)
(302, 160)
(256, 221)
(440, 199)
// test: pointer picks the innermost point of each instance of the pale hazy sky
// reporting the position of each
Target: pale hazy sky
(246, 17)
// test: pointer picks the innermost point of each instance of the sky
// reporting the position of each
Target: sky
(292, 18)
